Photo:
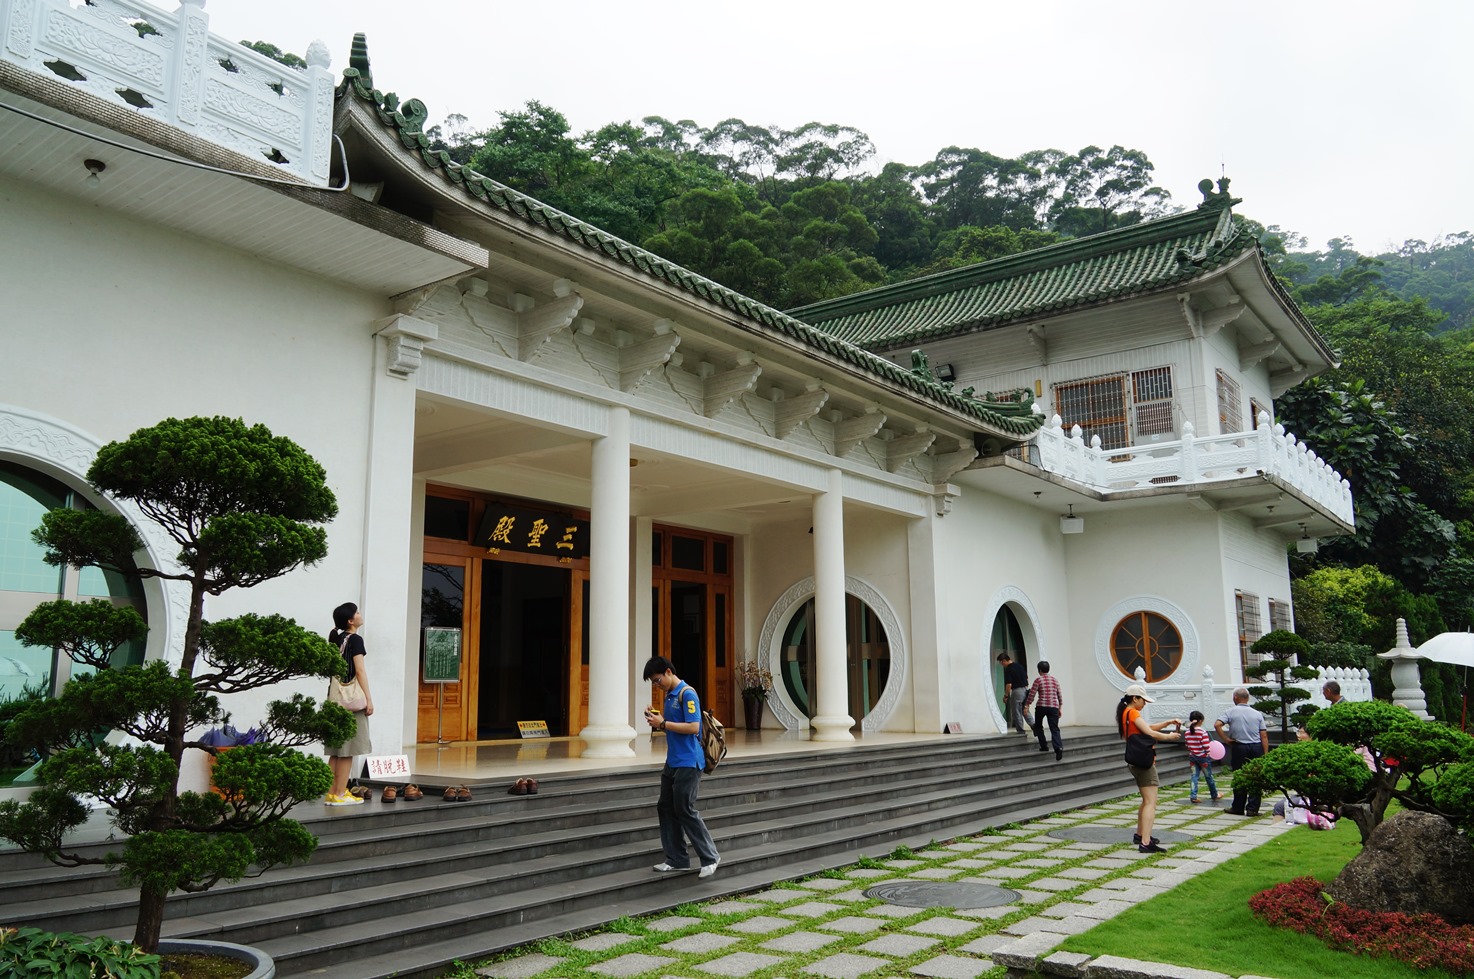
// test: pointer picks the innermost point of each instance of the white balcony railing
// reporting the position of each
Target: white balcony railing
(1269, 450)
(168, 66)
(1213, 698)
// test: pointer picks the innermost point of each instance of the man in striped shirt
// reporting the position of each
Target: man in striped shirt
(1046, 690)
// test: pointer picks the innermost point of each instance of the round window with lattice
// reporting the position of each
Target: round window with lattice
(1147, 640)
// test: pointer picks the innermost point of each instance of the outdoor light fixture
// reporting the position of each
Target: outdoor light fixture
(946, 373)
(94, 167)
(1306, 544)
(1071, 524)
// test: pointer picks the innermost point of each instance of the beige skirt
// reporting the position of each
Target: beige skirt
(359, 744)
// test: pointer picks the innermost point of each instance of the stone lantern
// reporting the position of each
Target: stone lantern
(1406, 680)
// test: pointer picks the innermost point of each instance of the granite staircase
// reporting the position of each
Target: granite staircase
(407, 889)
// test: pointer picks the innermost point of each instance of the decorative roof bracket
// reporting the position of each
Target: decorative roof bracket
(792, 412)
(722, 389)
(537, 324)
(903, 448)
(1256, 354)
(850, 432)
(1035, 336)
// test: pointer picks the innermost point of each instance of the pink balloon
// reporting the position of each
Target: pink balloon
(1216, 751)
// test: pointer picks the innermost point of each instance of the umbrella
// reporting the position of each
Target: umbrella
(1449, 647)
(1456, 648)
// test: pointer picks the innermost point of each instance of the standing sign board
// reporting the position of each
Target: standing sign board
(441, 664)
(442, 661)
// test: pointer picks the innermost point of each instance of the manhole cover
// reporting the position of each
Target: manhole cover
(941, 894)
(1113, 834)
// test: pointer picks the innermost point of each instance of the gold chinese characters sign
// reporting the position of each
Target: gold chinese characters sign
(532, 532)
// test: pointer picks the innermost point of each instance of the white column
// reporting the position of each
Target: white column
(609, 732)
(931, 702)
(831, 722)
(642, 612)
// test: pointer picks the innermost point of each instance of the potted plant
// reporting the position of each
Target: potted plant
(243, 507)
(756, 683)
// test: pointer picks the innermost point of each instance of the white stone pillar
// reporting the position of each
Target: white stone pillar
(609, 733)
(831, 721)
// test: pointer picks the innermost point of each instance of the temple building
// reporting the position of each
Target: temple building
(556, 453)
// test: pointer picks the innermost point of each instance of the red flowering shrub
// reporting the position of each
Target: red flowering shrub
(1424, 941)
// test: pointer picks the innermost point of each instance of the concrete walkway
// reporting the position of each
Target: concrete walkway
(1062, 875)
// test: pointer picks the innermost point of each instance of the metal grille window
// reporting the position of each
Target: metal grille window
(1152, 393)
(1246, 609)
(1280, 619)
(1230, 405)
(1121, 408)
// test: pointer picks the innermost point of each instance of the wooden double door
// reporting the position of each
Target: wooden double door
(521, 625)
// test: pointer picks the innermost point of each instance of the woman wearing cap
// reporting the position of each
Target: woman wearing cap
(1129, 721)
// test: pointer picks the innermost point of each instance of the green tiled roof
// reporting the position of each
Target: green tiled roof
(1011, 417)
(1069, 275)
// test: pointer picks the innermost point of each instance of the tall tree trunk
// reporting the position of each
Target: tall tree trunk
(150, 919)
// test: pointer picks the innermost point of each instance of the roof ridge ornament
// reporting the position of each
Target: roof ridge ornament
(1221, 200)
(358, 59)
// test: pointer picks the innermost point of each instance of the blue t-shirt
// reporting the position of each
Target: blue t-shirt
(683, 750)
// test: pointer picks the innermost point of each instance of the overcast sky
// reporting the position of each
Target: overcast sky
(1332, 117)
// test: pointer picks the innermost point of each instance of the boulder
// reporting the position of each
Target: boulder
(1414, 862)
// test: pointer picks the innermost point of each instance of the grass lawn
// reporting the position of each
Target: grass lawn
(1205, 923)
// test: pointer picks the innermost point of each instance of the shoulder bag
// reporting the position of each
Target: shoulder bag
(1141, 751)
(348, 695)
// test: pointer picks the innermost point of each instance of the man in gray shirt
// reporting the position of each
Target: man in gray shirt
(1244, 729)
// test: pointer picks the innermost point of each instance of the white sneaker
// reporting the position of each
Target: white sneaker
(665, 868)
(710, 868)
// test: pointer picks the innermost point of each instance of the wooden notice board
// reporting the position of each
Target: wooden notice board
(442, 659)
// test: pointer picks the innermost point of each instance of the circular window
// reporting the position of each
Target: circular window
(1147, 640)
(867, 658)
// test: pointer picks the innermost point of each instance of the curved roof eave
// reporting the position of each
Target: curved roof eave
(366, 108)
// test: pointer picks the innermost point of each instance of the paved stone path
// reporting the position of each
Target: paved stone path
(1056, 881)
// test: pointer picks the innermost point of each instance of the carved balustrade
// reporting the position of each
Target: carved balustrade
(168, 66)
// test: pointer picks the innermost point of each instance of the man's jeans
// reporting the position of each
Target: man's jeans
(678, 815)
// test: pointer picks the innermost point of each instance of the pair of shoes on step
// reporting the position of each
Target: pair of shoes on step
(706, 870)
(457, 794)
(523, 786)
(346, 799)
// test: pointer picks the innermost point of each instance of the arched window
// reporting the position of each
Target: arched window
(867, 658)
(26, 581)
(1147, 640)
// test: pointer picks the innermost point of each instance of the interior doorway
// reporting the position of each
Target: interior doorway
(523, 649)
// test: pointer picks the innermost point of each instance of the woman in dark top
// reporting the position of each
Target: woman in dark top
(347, 620)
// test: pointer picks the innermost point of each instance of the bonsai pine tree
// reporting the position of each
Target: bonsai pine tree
(244, 507)
(1428, 767)
(1279, 646)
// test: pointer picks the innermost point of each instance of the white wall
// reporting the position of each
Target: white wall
(113, 325)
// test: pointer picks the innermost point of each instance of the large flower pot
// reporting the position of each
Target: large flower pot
(753, 708)
(261, 965)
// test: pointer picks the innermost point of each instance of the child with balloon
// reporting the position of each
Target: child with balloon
(1202, 751)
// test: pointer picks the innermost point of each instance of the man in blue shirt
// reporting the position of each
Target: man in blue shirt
(1247, 735)
(684, 761)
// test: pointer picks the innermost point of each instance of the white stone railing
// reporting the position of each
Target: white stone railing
(1269, 450)
(1181, 699)
(168, 66)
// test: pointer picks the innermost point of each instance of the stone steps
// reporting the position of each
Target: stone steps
(409, 888)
